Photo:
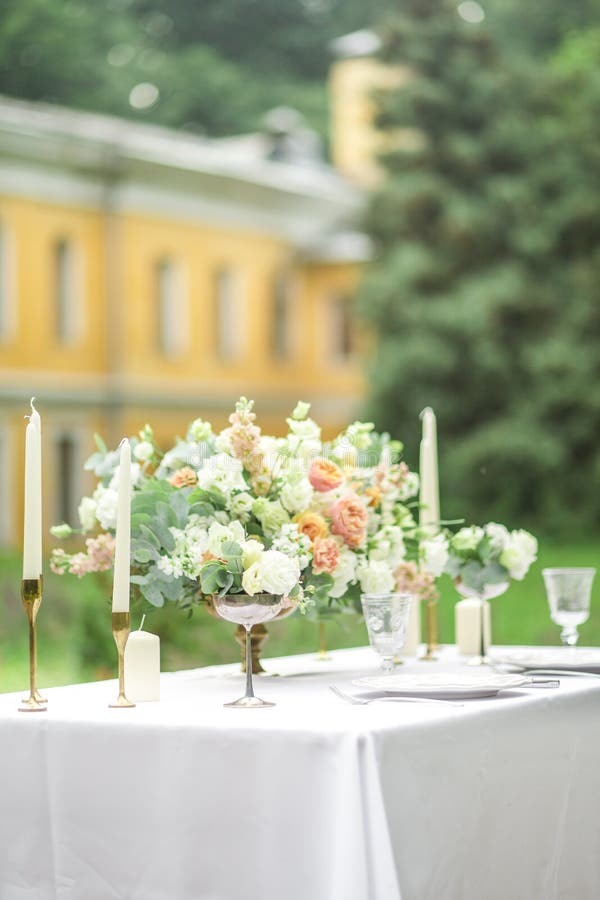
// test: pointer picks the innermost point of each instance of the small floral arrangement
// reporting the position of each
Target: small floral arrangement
(482, 556)
(240, 511)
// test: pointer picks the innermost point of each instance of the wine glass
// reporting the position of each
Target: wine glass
(248, 611)
(568, 592)
(386, 617)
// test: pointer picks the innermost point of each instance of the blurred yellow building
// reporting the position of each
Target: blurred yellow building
(148, 275)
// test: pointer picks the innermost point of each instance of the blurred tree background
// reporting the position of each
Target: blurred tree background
(485, 293)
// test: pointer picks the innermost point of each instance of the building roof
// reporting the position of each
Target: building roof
(296, 197)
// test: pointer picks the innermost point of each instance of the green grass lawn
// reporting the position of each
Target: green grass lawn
(75, 640)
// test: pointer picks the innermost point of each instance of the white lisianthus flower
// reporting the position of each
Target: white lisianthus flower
(300, 410)
(87, 513)
(304, 429)
(222, 472)
(434, 555)
(270, 514)
(134, 473)
(241, 505)
(61, 531)
(498, 535)
(199, 431)
(519, 553)
(388, 545)
(467, 538)
(252, 579)
(359, 434)
(252, 550)
(296, 495)
(345, 571)
(143, 451)
(409, 487)
(375, 577)
(218, 534)
(107, 501)
(223, 442)
(279, 573)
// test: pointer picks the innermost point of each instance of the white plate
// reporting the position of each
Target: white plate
(465, 685)
(576, 658)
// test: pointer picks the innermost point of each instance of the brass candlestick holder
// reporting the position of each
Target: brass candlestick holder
(31, 594)
(121, 626)
(322, 654)
(430, 631)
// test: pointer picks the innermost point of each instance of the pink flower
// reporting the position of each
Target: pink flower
(349, 517)
(326, 555)
(410, 580)
(185, 477)
(324, 475)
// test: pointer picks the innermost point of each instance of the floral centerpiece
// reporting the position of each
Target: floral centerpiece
(482, 557)
(240, 511)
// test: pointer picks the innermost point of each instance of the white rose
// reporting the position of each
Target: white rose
(107, 501)
(279, 573)
(218, 534)
(345, 571)
(375, 577)
(296, 495)
(434, 555)
(252, 551)
(143, 451)
(252, 580)
(519, 553)
(498, 535)
(467, 538)
(87, 513)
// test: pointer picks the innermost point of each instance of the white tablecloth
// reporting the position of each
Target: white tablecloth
(313, 799)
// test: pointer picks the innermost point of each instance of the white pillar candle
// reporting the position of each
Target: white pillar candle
(413, 631)
(142, 666)
(32, 530)
(429, 498)
(467, 622)
(120, 600)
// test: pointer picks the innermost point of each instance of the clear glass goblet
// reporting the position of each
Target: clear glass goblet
(569, 592)
(248, 611)
(386, 618)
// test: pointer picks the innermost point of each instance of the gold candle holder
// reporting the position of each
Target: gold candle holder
(322, 655)
(121, 626)
(31, 594)
(430, 631)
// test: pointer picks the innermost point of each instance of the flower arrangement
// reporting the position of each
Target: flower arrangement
(240, 511)
(488, 555)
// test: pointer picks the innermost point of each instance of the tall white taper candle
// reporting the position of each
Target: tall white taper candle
(32, 530)
(429, 513)
(120, 600)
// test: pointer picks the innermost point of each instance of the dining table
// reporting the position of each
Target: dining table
(315, 798)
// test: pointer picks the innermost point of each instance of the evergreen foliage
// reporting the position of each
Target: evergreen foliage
(485, 292)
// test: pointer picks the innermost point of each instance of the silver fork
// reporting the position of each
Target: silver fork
(363, 701)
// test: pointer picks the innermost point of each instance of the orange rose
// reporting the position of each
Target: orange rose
(349, 517)
(312, 525)
(325, 475)
(326, 555)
